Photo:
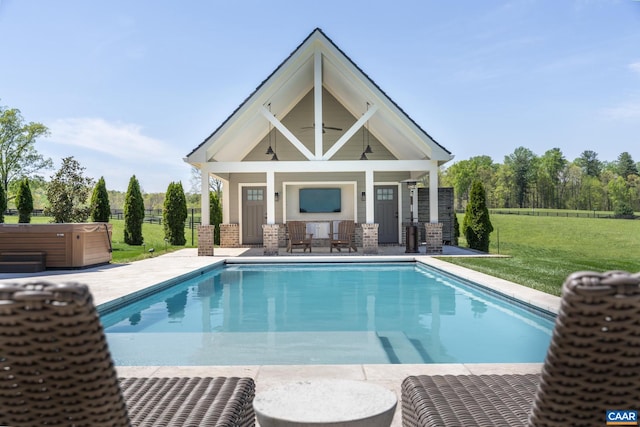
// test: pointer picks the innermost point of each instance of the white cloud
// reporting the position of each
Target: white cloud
(628, 111)
(117, 151)
(635, 67)
(121, 140)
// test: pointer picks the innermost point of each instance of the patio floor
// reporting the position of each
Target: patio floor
(115, 281)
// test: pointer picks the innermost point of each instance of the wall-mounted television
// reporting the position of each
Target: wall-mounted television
(320, 200)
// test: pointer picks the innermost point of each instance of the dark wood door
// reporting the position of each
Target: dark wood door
(386, 213)
(254, 214)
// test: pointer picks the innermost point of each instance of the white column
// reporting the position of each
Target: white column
(226, 201)
(317, 102)
(370, 196)
(271, 200)
(205, 216)
(414, 205)
(433, 192)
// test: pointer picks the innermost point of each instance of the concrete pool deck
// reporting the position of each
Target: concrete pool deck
(115, 281)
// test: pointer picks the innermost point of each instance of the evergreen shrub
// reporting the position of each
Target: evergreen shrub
(476, 225)
(100, 209)
(24, 202)
(174, 214)
(133, 213)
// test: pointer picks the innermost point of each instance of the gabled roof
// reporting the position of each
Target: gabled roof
(293, 79)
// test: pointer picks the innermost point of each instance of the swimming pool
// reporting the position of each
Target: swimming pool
(315, 313)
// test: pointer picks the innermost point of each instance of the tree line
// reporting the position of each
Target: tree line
(526, 180)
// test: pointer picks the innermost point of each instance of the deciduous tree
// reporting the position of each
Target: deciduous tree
(621, 196)
(18, 155)
(461, 174)
(68, 192)
(523, 167)
(552, 164)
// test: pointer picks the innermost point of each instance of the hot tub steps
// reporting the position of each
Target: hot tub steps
(22, 262)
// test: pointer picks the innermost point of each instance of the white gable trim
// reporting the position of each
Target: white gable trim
(287, 133)
(349, 133)
(317, 102)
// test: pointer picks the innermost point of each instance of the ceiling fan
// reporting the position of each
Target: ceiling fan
(324, 128)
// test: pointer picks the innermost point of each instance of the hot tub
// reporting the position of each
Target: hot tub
(69, 245)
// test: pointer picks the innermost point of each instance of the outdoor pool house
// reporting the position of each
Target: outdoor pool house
(318, 141)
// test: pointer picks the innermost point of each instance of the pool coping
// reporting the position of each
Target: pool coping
(548, 304)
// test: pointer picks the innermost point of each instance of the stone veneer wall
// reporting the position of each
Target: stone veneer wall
(434, 238)
(270, 238)
(206, 239)
(369, 239)
(229, 235)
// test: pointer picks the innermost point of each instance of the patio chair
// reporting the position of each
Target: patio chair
(345, 237)
(56, 370)
(298, 236)
(592, 365)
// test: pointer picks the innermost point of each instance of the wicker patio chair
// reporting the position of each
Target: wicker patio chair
(298, 236)
(56, 370)
(592, 365)
(345, 237)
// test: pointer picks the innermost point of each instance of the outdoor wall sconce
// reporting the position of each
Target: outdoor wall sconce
(363, 196)
(277, 196)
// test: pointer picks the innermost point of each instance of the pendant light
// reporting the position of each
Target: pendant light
(271, 151)
(368, 149)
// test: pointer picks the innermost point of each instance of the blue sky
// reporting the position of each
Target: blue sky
(131, 87)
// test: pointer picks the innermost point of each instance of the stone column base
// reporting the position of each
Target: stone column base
(229, 235)
(205, 239)
(434, 238)
(370, 239)
(270, 238)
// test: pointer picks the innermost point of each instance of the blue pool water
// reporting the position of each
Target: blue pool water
(325, 314)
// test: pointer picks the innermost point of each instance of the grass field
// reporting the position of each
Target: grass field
(545, 250)
(153, 235)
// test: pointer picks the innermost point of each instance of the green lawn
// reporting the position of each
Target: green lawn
(153, 235)
(545, 250)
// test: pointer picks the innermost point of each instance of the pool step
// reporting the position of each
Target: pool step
(399, 348)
